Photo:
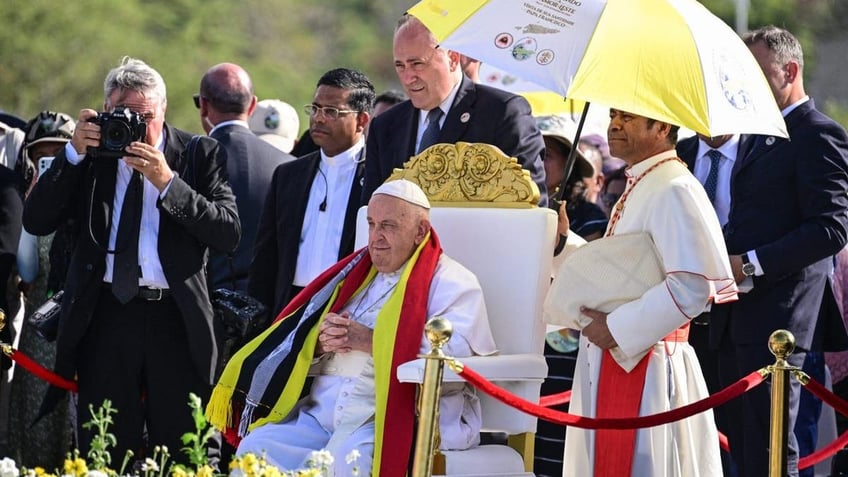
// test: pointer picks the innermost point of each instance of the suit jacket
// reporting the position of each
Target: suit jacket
(250, 165)
(278, 237)
(198, 212)
(11, 208)
(789, 204)
(479, 114)
(687, 149)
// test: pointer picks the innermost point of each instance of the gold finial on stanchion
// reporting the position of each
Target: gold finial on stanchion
(438, 332)
(781, 344)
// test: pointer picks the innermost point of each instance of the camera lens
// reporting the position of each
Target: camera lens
(116, 135)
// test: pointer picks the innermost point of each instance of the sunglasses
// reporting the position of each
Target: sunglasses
(196, 97)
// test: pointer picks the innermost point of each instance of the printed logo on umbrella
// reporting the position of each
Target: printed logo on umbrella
(503, 40)
(733, 85)
(524, 48)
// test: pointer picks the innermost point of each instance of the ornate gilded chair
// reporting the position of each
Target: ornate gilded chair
(484, 211)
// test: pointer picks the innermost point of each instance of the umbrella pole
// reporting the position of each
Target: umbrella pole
(572, 157)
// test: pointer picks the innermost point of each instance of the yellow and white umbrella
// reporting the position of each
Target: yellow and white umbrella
(543, 102)
(670, 60)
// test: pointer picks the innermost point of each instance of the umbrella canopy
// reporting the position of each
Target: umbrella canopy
(670, 60)
(543, 101)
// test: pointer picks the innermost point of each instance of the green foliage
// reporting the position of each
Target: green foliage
(98, 454)
(55, 55)
(195, 442)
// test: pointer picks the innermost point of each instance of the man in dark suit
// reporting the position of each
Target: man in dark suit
(444, 106)
(225, 101)
(309, 219)
(136, 321)
(788, 217)
(711, 160)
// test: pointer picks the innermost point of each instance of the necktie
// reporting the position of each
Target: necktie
(431, 134)
(125, 272)
(711, 183)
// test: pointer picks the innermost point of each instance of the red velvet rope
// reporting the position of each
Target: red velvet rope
(734, 390)
(41, 372)
(554, 399)
(840, 406)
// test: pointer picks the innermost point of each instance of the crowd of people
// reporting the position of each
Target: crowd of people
(748, 229)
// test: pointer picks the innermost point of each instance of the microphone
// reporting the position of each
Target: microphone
(323, 206)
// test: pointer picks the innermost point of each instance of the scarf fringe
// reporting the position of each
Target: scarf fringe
(246, 418)
(219, 411)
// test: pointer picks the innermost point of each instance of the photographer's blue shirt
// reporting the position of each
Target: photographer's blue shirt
(152, 274)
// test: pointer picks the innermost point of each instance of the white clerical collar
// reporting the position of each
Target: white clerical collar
(642, 166)
(350, 156)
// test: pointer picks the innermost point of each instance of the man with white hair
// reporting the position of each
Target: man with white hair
(136, 322)
(358, 321)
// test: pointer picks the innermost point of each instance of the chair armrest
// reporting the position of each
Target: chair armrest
(512, 367)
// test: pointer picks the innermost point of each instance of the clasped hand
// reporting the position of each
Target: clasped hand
(338, 333)
(597, 332)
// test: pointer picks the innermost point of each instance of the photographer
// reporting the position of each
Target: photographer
(136, 321)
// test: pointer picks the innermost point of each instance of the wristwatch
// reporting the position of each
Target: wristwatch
(748, 268)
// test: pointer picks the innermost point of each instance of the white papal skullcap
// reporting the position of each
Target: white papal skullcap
(404, 190)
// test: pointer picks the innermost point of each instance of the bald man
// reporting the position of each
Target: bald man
(226, 101)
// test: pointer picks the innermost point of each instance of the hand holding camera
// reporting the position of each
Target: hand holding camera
(121, 134)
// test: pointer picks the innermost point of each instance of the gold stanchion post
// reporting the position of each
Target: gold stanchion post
(438, 331)
(781, 344)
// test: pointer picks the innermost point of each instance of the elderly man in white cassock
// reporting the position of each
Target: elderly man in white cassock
(356, 323)
(635, 360)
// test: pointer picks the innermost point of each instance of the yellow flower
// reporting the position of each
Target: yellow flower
(205, 471)
(178, 471)
(39, 471)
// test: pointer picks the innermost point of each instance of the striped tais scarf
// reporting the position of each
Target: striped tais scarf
(264, 380)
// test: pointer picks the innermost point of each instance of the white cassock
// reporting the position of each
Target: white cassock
(338, 413)
(671, 205)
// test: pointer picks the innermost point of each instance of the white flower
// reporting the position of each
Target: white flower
(149, 465)
(321, 459)
(8, 468)
(353, 456)
(96, 473)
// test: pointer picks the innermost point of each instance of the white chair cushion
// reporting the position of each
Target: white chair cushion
(485, 461)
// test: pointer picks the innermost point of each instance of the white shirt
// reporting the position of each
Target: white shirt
(321, 234)
(422, 115)
(152, 274)
(728, 152)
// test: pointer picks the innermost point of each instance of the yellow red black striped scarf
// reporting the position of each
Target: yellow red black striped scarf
(264, 379)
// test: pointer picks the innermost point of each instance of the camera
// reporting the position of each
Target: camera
(117, 130)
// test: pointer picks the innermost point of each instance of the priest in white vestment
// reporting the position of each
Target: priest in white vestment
(398, 282)
(665, 200)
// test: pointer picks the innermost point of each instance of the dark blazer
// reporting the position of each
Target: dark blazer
(278, 238)
(250, 164)
(11, 208)
(479, 114)
(789, 203)
(198, 212)
(687, 149)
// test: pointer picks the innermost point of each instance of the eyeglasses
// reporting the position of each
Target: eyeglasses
(196, 97)
(327, 111)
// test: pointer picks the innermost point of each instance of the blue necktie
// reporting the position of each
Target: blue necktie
(431, 134)
(711, 183)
